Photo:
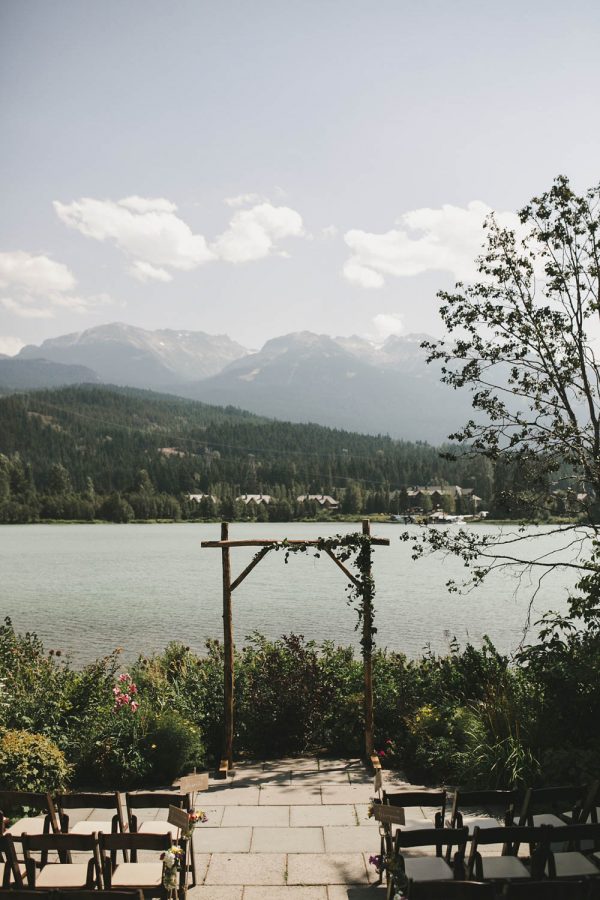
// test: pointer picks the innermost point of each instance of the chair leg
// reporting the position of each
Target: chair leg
(192, 861)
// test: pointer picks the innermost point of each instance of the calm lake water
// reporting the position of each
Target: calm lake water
(87, 589)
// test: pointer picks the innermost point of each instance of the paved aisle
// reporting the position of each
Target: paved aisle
(294, 829)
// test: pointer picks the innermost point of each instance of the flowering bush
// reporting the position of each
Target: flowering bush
(124, 693)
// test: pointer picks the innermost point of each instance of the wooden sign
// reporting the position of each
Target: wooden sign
(378, 781)
(191, 784)
(178, 817)
(388, 815)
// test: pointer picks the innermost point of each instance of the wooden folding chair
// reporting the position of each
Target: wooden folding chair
(426, 868)
(146, 876)
(412, 800)
(566, 805)
(570, 861)
(13, 805)
(139, 800)
(508, 866)
(72, 802)
(64, 874)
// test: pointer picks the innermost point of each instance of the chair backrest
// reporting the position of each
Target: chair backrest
(430, 837)
(13, 803)
(504, 800)
(89, 800)
(134, 841)
(150, 800)
(545, 890)
(559, 800)
(408, 799)
(61, 843)
(450, 890)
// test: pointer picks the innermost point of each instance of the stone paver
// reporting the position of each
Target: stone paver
(327, 868)
(362, 813)
(216, 892)
(287, 840)
(233, 796)
(265, 816)
(289, 892)
(350, 840)
(333, 793)
(214, 815)
(246, 868)
(223, 840)
(322, 815)
(284, 796)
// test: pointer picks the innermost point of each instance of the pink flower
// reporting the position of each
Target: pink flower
(134, 706)
(381, 753)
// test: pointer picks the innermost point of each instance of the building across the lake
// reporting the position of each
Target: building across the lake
(256, 499)
(325, 501)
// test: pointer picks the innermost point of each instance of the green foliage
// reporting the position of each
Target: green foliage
(472, 716)
(73, 450)
(172, 746)
(31, 762)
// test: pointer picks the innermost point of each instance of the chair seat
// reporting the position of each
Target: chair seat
(91, 826)
(155, 826)
(573, 864)
(504, 867)
(472, 822)
(427, 868)
(142, 875)
(62, 875)
(28, 825)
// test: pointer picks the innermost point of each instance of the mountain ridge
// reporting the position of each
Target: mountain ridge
(343, 382)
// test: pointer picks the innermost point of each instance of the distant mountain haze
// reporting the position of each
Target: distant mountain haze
(124, 354)
(342, 382)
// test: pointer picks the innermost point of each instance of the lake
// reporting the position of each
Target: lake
(86, 589)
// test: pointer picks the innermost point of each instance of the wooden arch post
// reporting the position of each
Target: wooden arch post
(365, 588)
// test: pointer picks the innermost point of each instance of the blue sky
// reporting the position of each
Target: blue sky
(258, 168)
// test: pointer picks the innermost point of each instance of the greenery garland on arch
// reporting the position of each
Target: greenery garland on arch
(354, 547)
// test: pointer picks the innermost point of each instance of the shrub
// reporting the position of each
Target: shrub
(31, 762)
(171, 745)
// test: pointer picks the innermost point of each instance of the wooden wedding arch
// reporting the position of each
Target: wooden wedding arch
(363, 586)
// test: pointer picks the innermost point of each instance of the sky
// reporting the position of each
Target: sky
(260, 168)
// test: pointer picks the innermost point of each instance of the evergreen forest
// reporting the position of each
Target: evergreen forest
(121, 454)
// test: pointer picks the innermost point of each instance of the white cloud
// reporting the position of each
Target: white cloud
(10, 346)
(330, 231)
(446, 239)
(387, 324)
(143, 271)
(148, 204)
(243, 200)
(361, 275)
(36, 274)
(25, 310)
(147, 231)
(156, 240)
(252, 233)
(37, 285)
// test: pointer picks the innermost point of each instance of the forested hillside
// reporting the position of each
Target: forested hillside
(120, 453)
